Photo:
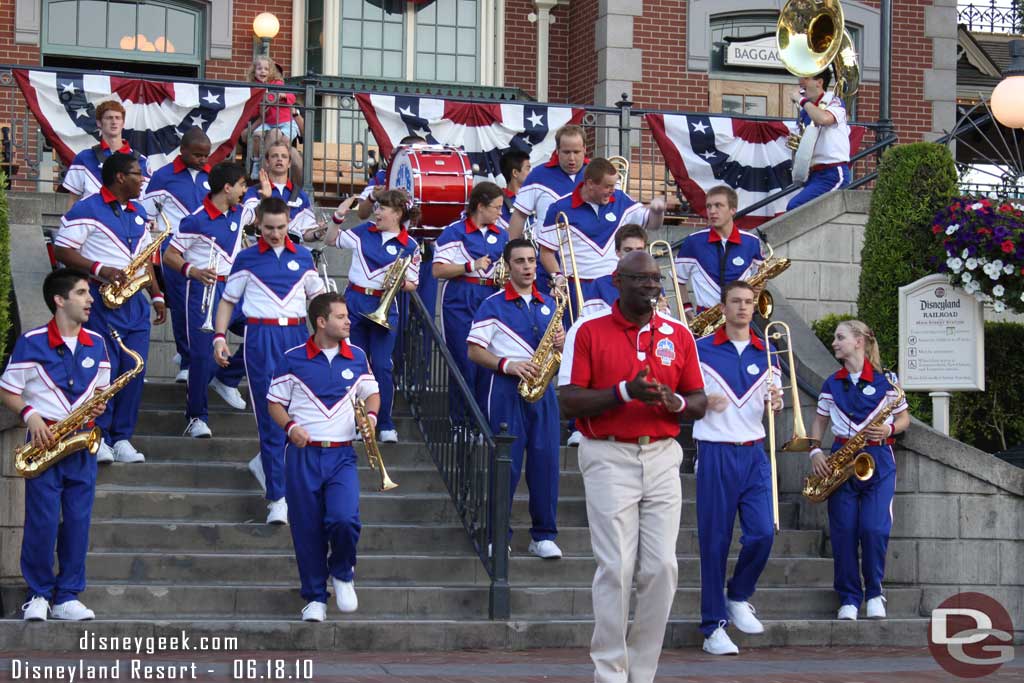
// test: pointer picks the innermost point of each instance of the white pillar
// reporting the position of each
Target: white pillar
(544, 20)
(298, 38)
(940, 411)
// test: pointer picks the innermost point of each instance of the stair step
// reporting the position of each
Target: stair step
(247, 568)
(212, 505)
(353, 633)
(189, 536)
(377, 601)
(227, 422)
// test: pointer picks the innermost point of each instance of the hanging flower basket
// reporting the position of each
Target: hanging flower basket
(983, 244)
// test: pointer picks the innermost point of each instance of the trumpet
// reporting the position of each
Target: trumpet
(209, 292)
(373, 456)
(562, 224)
(659, 249)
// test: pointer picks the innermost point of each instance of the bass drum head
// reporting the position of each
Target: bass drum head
(802, 158)
(401, 174)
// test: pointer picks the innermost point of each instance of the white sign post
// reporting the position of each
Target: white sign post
(942, 343)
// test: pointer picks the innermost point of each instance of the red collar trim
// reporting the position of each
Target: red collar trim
(621, 321)
(212, 211)
(578, 200)
(721, 337)
(109, 198)
(312, 349)
(508, 193)
(734, 236)
(403, 234)
(264, 246)
(511, 294)
(472, 227)
(817, 101)
(55, 340)
(125, 147)
(180, 166)
(867, 373)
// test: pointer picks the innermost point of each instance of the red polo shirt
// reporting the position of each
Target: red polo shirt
(606, 349)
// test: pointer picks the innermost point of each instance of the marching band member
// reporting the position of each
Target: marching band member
(85, 175)
(709, 259)
(630, 237)
(595, 211)
(859, 512)
(628, 376)
(506, 331)
(324, 373)
(733, 472)
(180, 187)
(515, 167)
(203, 250)
(54, 370)
(379, 182)
(101, 235)
(830, 160)
(275, 182)
(376, 246)
(465, 256)
(554, 179)
(273, 279)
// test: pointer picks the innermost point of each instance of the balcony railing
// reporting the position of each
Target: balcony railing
(991, 17)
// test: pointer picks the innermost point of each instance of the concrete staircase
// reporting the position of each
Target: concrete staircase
(180, 543)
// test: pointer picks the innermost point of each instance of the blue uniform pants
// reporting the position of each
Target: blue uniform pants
(379, 345)
(174, 295)
(731, 479)
(860, 517)
(535, 428)
(264, 347)
(58, 508)
(460, 302)
(820, 183)
(202, 367)
(323, 515)
(132, 322)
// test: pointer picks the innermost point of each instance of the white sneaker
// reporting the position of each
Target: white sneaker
(198, 429)
(719, 643)
(345, 595)
(36, 609)
(876, 608)
(231, 395)
(278, 512)
(314, 611)
(388, 436)
(847, 613)
(124, 451)
(574, 439)
(176, 359)
(104, 454)
(72, 610)
(741, 614)
(546, 550)
(181, 377)
(256, 467)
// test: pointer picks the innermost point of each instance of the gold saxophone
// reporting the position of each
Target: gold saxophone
(710, 320)
(373, 456)
(114, 295)
(394, 278)
(849, 460)
(546, 356)
(30, 461)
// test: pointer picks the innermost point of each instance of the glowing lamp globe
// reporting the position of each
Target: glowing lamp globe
(266, 26)
(1007, 100)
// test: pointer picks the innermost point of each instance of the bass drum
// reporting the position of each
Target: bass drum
(437, 177)
(802, 158)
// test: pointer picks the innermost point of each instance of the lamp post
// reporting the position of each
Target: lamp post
(266, 27)
(1008, 97)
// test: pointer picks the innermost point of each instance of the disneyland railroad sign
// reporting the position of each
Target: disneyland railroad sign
(942, 337)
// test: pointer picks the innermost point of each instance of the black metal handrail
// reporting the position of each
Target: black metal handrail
(473, 462)
(991, 17)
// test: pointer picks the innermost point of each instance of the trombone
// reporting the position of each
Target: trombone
(662, 248)
(562, 224)
(320, 261)
(800, 442)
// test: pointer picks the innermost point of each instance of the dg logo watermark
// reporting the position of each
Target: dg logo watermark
(971, 635)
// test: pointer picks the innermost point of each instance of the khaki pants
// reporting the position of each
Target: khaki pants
(634, 500)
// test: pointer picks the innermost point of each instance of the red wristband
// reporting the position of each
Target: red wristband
(502, 362)
(184, 268)
(804, 101)
(290, 426)
(469, 267)
(892, 429)
(95, 270)
(26, 412)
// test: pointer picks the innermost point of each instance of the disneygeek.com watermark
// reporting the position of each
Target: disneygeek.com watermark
(971, 635)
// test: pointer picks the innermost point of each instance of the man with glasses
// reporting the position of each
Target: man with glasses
(101, 235)
(719, 254)
(629, 376)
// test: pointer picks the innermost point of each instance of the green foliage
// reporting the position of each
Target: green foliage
(993, 419)
(5, 269)
(914, 182)
(825, 328)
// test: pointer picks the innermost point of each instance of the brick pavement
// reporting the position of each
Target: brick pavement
(776, 665)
